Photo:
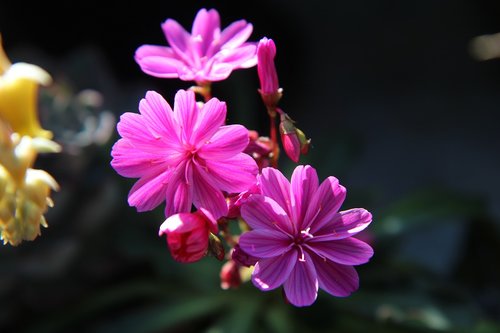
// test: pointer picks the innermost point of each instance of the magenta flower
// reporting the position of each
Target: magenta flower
(300, 239)
(207, 54)
(185, 156)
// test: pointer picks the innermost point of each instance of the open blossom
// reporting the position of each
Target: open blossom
(300, 238)
(183, 156)
(205, 54)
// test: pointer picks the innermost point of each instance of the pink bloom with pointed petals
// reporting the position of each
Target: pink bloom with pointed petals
(183, 156)
(300, 238)
(205, 54)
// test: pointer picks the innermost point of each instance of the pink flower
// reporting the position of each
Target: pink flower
(187, 235)
(300, 239)
(207, 54)
(185, 156)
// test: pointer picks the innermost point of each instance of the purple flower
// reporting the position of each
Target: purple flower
(185, 156)
(207, 54)
(300, 239)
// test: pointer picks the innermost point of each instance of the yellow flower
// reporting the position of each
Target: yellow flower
(19, 96)
(24, 192)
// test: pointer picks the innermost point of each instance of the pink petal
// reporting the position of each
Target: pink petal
(149, 191)
(179, 39)
(131, 125)
(206, 24)
(179, 193)
(337, 280)
(206, 196)
(210, 118)
(324, 204)
(185, 112)
(159, 61)
(304, 184)
(270, 273)
(344, 224)
(234, 174)
(227, 142)
(235, 34)
(277, 187)
(215, 72)
(261, 212)
(348, 251)
(241, 57)
(159, 118)
(265, 243)
(301, 287)
(128, 161)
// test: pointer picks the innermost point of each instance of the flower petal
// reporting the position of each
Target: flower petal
(265, 243)
(159, 118)
(159, 61)
(344, 224)
(348, 251)
(149, 191)
(185, 112)
(128, 161)
(179, 193)
(206, 196)
(324, 204)
(304, 184)
(205, 25)
(336, 279)
(225, 143)
(242, 57)
(270, 273)
(233, 175)
(261, 212)
(210, 119)
(277, 187)
(301, 287)
(179, 39)
(235, 34)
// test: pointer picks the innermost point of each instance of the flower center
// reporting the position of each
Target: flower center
(300, 239)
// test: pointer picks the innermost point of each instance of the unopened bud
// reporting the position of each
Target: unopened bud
(230, 275)
(215, 247)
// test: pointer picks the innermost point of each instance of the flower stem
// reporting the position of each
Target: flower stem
(204, 89)
(274, 137)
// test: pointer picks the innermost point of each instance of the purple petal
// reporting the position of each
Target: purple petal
(206, 24)
(206, 196)
(215, 71)
(270, 273)
(301, 287)
(234, 174)
(149, 191)
(261, 212)
(348, 251)
(345, 224)
(277, 187)
(324, 204)
(159, 118)
(235, 34)
(337, 280)
(179, 193)
(227, 142)
(158, 61)
(210, 118)
(265, 243)
(186, 112)
(304, 184)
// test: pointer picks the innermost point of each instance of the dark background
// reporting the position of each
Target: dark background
(397, 108)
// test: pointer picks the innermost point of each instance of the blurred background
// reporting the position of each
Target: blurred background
(398, 103)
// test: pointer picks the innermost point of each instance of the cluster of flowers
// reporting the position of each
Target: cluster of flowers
(24, 191)
(211, 174)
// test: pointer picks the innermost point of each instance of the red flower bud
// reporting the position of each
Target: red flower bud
(230, 275)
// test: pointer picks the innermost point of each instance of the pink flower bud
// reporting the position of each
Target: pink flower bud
(289, 138)
(242, 258)
(269, 86)
(187, 236)
(230, 275)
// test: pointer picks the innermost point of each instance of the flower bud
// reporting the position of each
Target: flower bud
(242, 258)
(187, 236)
(230, 275)
(269, 86)
(293, 139)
